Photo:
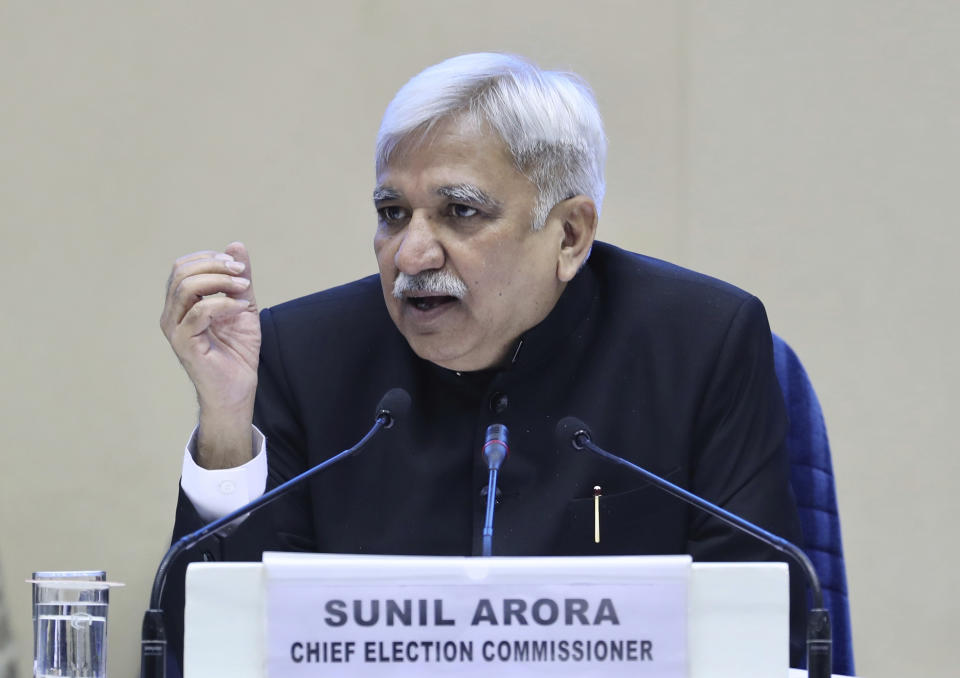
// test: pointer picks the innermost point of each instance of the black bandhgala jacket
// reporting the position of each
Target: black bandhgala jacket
(669, 368)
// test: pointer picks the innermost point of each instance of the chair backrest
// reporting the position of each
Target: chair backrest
(811, 475)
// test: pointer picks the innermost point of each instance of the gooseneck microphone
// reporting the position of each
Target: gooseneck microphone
(153, 646)
(495, 450)
(572, 432)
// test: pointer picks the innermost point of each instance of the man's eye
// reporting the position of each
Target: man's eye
(392, 213)
(463, 211)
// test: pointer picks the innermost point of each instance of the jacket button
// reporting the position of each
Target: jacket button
(498, 402)
(485, 490)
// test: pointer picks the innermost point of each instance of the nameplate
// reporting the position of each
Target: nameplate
(337, 616)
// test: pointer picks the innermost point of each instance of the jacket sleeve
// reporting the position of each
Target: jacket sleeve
(741, 461)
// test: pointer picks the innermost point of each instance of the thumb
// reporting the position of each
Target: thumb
(238, 251)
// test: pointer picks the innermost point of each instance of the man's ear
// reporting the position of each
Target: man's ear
(578, 215)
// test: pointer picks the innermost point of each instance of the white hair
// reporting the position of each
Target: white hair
(548, 120)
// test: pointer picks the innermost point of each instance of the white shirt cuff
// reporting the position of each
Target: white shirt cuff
(214, 494)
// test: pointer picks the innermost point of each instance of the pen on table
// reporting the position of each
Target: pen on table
(596, 513)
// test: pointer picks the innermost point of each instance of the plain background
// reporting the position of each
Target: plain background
(806, 151)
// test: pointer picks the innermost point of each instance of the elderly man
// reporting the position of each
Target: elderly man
(493, 303)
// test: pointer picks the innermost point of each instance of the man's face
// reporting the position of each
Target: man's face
(453, 204)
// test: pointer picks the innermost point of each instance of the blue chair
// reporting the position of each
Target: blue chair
(811, 475)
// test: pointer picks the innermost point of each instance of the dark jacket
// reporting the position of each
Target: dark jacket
(669, 368)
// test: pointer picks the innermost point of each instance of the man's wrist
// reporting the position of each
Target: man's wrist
(224, 438)
(214, 494)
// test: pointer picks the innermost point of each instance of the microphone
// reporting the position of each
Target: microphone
(392, 407)
(495, 450)
(572, 432)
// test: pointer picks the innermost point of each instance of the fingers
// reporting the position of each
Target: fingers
(195, 287)
(238, 251)
(204, 273)
(204, 262)
(201, 314)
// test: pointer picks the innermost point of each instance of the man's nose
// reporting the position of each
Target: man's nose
(419, 249)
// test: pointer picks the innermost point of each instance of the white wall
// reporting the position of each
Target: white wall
(822, 159)
(805, 151)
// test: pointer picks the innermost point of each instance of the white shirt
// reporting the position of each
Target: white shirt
(214, 494)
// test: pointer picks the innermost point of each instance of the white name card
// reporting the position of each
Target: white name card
(335, 616)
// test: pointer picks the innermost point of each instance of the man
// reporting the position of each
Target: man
(493, 303)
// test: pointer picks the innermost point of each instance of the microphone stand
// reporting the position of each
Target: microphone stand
(819, 636)
(153, 644)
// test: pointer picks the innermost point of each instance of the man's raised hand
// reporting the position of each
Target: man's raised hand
(210, 319)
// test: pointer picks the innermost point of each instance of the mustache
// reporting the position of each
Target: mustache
(439, 283)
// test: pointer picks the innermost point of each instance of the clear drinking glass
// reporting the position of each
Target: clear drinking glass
(70, 624)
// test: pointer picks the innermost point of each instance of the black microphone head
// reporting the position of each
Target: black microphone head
(394, 405)
(571, 431)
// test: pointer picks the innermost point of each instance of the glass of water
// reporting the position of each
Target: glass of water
(70, 624)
